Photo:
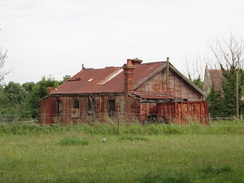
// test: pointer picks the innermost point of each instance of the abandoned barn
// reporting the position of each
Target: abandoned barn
(135, 92)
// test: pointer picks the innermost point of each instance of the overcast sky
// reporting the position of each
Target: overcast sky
(55, 37)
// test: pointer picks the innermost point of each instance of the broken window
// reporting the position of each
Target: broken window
(59, 107)
(76, 104)
(111, 108)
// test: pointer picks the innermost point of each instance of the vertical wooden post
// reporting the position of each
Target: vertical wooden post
(167, 74)
(118, 123)
(237, 95)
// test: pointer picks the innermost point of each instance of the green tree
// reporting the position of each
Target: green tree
(66, 77)
(29, 86)
(215, 102)
(40, 90)
(198, 82)
(13, 100)
(229, 56)
(229, 88)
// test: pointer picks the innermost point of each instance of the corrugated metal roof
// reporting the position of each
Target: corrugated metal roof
(110, 79)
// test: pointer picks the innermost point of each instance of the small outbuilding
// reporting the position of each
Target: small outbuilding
(136, 92)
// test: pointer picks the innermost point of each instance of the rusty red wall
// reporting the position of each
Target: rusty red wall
(70, 114)
(184, 112)
(147, 109)
(177, 86)
(179, 112)
(47, 110)
(132, 109)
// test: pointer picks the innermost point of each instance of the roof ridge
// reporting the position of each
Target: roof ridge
(107, 67)
(147, 63)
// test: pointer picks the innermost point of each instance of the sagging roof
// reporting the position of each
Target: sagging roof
(105, 80)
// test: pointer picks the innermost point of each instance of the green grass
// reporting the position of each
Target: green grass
(73, 141)
(220, 127)
(134, 137)
(152, 153)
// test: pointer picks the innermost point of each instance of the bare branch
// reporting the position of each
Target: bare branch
(3, 56)
(229, 52)
(186, 64)
(194, 67)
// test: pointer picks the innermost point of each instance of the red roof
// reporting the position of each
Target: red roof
(109, 79)
(216, 78)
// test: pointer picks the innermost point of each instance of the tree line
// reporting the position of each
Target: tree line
(227, 57)
(229, 102)
(22, 101)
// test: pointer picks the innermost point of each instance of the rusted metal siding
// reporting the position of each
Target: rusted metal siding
(47, 110)
(147, 109)
(71, 115)
(184, 112)
(154, 85)
(177, 86)
(131, 110)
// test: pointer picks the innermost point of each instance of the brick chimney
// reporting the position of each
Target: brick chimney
(129, 75)
(50, 90)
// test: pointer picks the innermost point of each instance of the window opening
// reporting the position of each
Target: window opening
(111, 108)
(76, 104)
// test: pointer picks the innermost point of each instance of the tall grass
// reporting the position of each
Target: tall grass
(229, 127)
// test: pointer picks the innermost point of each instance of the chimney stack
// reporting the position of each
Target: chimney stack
(136, 61)
(50, 90)
(129, 75)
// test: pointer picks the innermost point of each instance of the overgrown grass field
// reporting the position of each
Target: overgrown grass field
(140, 153)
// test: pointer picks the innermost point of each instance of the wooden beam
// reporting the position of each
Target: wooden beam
(167, 74)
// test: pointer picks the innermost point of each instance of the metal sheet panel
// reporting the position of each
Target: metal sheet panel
(184, 112)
